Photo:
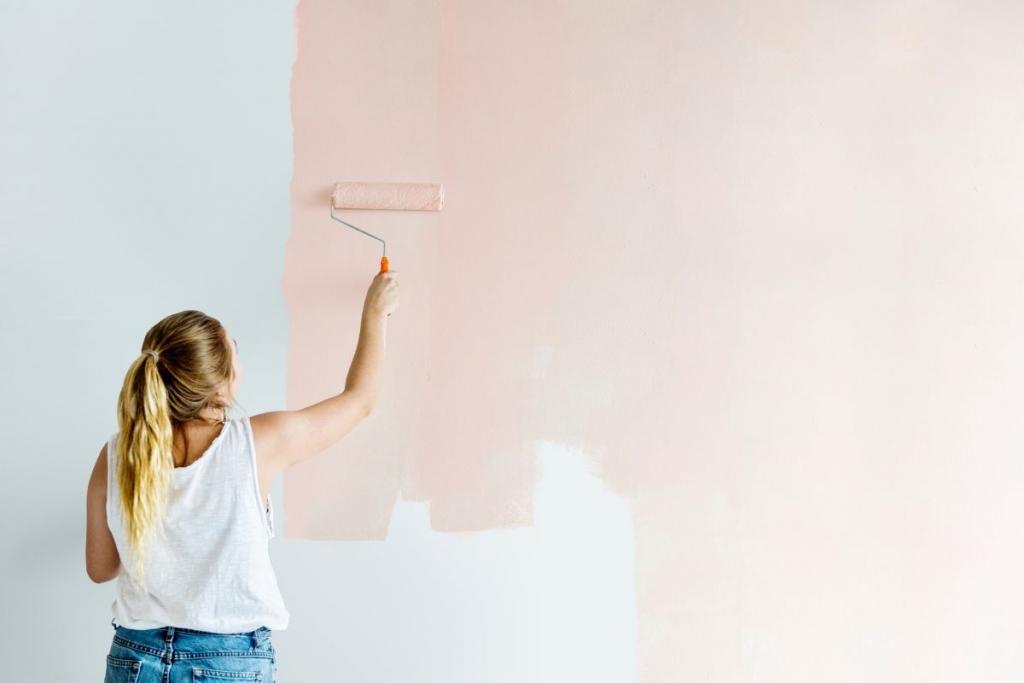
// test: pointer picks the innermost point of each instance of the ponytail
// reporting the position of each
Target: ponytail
(144, 454)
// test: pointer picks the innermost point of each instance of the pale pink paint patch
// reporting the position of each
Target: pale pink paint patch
(364, 107)
(721, 250)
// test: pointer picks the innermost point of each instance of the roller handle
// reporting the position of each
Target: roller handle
(383, 264)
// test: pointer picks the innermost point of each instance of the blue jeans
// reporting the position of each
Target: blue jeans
(181, 655)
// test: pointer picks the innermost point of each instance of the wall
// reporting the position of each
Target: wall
(752, 263)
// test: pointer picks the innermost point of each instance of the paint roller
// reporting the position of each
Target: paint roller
(387, 197)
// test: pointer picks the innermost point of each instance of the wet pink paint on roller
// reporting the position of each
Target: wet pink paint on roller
(719, 250)
(389, 196)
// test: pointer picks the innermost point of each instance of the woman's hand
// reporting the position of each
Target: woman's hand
(382, 296)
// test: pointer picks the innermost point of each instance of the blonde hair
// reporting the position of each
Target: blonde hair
(159, 394)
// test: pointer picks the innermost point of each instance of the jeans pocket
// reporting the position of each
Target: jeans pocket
(122, 670)
(203, 674)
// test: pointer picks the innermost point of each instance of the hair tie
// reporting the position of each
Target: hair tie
(156, 356)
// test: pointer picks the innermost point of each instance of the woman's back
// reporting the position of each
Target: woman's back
(208, 566)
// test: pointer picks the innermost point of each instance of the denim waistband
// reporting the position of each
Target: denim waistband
(157, 641)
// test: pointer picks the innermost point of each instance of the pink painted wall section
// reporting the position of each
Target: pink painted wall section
(364, 107)
(761, 263)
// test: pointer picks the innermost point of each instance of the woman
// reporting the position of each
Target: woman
(178, 507)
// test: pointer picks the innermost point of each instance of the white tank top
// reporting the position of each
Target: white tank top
(210, 570)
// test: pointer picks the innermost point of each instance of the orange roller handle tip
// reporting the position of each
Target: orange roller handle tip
(383, 264)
